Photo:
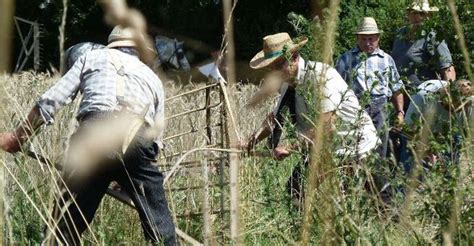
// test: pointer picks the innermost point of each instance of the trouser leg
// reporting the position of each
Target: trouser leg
(376, 110)
(74, 209)
(295, 184)
(144, 182)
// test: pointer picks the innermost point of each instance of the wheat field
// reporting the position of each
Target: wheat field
(267, 214)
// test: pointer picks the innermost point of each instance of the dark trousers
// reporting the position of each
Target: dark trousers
(295, 185)
(376, 111)
(135, 173)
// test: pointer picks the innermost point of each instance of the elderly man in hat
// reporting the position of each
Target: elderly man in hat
(117, 89)
(373, 76)
(356, 135)
(419, 55)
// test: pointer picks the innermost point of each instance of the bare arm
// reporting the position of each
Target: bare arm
(12, 141)
(264, 131)
(448, 74)
(397, 101)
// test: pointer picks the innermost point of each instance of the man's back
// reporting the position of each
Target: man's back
(337, 97)
(109, 80)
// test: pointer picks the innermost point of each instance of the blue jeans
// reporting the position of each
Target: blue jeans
(136, 174)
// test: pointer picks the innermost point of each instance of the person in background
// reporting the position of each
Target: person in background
(117, 89)
(444, 111)
(372, 75)
(418, 53)
(420, 56)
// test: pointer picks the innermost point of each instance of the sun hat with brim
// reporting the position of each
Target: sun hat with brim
(422, 6)
(274, 47)
(368, 26)
(121, 37)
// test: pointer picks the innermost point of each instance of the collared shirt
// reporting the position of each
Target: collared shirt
(420, 59)
(375, 72)
(356, 132)
(97, 75)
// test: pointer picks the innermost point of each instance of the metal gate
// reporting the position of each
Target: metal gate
(196, 168)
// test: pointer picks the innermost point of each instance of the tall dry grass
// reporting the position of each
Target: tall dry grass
(267, 214)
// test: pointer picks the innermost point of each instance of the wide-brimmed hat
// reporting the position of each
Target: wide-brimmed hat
(422, 6)
(275, 46)
(368, 25)
(121, 37)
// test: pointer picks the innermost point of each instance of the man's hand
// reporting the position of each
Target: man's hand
(399, 119)
(9, 142)
(280, 153)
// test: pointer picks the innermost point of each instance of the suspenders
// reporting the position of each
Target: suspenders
(120, 85)
(120, 82)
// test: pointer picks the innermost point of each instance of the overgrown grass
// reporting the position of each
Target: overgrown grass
(268, 215)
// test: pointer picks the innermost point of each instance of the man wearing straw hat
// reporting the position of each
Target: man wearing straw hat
(117, 89)
(373, 76)
(356, 134)
(418, 54)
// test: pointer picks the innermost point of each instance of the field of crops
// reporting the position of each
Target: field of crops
(439, 209)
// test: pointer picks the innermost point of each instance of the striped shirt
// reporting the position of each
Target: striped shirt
(375, 72)
(109, 80)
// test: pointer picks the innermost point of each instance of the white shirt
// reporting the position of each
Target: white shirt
(356, 134)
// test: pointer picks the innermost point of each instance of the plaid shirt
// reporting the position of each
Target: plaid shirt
(95, 75)
(375, 72)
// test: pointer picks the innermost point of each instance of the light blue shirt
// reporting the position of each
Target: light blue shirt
(375, 72)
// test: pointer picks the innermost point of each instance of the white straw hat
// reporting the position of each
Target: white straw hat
(274, 47)
(367, 26)
(121, 37)
(422, 6)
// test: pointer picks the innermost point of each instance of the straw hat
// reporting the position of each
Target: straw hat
(367, 26)
(121, 37)
(422, 6)
(273, 48)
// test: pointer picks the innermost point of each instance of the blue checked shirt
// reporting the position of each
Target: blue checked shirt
(95, 76)
(375, 72)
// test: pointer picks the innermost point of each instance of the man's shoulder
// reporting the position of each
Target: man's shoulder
(384, 54)
(402, 30)
(349, 53)
(316, 66)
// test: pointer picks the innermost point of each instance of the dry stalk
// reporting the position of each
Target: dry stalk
(462, 39)
(451, 229)
(116, 12)
(6, 19)
(233, 133)
(317, 163)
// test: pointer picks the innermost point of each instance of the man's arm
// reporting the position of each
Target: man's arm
(264, 131)
(397, 101)
(12, 141)
(448, 74)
